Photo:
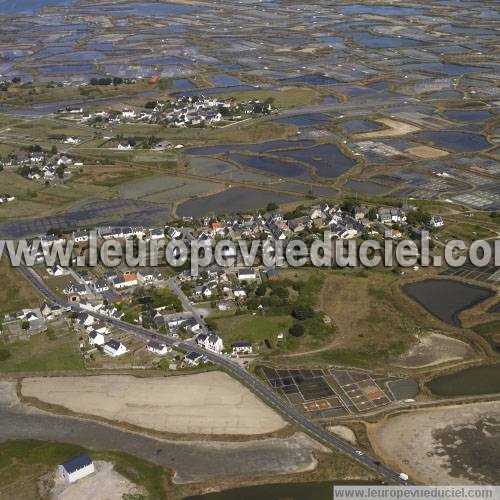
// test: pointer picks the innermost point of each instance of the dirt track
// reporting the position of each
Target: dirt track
(207, 403)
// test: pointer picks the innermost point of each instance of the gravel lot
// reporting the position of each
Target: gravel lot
(207, 403)
(104, 484)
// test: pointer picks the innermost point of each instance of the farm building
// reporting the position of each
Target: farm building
(77, 468)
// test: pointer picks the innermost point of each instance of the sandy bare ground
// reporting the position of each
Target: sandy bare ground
(192, 461)
(343, 432)
(427, 152)
(434, 349)
(451, 445)
(207, 403)
(104, 484)
(395, 128)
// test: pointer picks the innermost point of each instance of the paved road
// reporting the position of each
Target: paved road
(265, 392)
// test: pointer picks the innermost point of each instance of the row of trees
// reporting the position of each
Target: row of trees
(107, 80)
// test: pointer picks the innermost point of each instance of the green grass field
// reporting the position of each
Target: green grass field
(15, 293)
(253, 329)
(41, 354)
(291, 98)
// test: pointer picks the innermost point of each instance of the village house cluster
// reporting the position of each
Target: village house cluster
(185, 111)
(110, 293)
(40, 166)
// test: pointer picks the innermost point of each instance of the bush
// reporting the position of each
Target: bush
(296, 330)
(302, 312)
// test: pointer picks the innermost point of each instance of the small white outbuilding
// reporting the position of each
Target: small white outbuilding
(77, 468)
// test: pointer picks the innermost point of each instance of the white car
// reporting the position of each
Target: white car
(359, 453)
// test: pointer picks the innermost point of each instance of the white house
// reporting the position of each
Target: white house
(77, 468)
(191, 326)
(50, 240)
(246, 273)
(437, 221)
(81, 236)
(157, 234)
(128, 113)
(56, 270)
(50, 311)
(240, 294)
(157, 348)
(242, 348)
(109, 233)
(101, 328)
(75, 289)
(86, 319)
(101, 286)
(193, 358)
(114, 348)
(126, 281)
(389, 215)
(64, 160)
(148, 276)
(96, 338)
(210, 341)
(173, 233)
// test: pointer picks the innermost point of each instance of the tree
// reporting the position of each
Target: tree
(54, 150)
(302, 312)
(281, 292)
(296, 330)
(418, 217)
(25, 325)
(348, 205)
(372, 213)
(146, 321)
(60, 171)
(261, 290)
(271, 207)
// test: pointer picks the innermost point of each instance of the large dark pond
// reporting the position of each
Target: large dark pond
(471, 381)
(233, 200)
(446, 299)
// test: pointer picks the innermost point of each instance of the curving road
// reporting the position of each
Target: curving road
(265, 392)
